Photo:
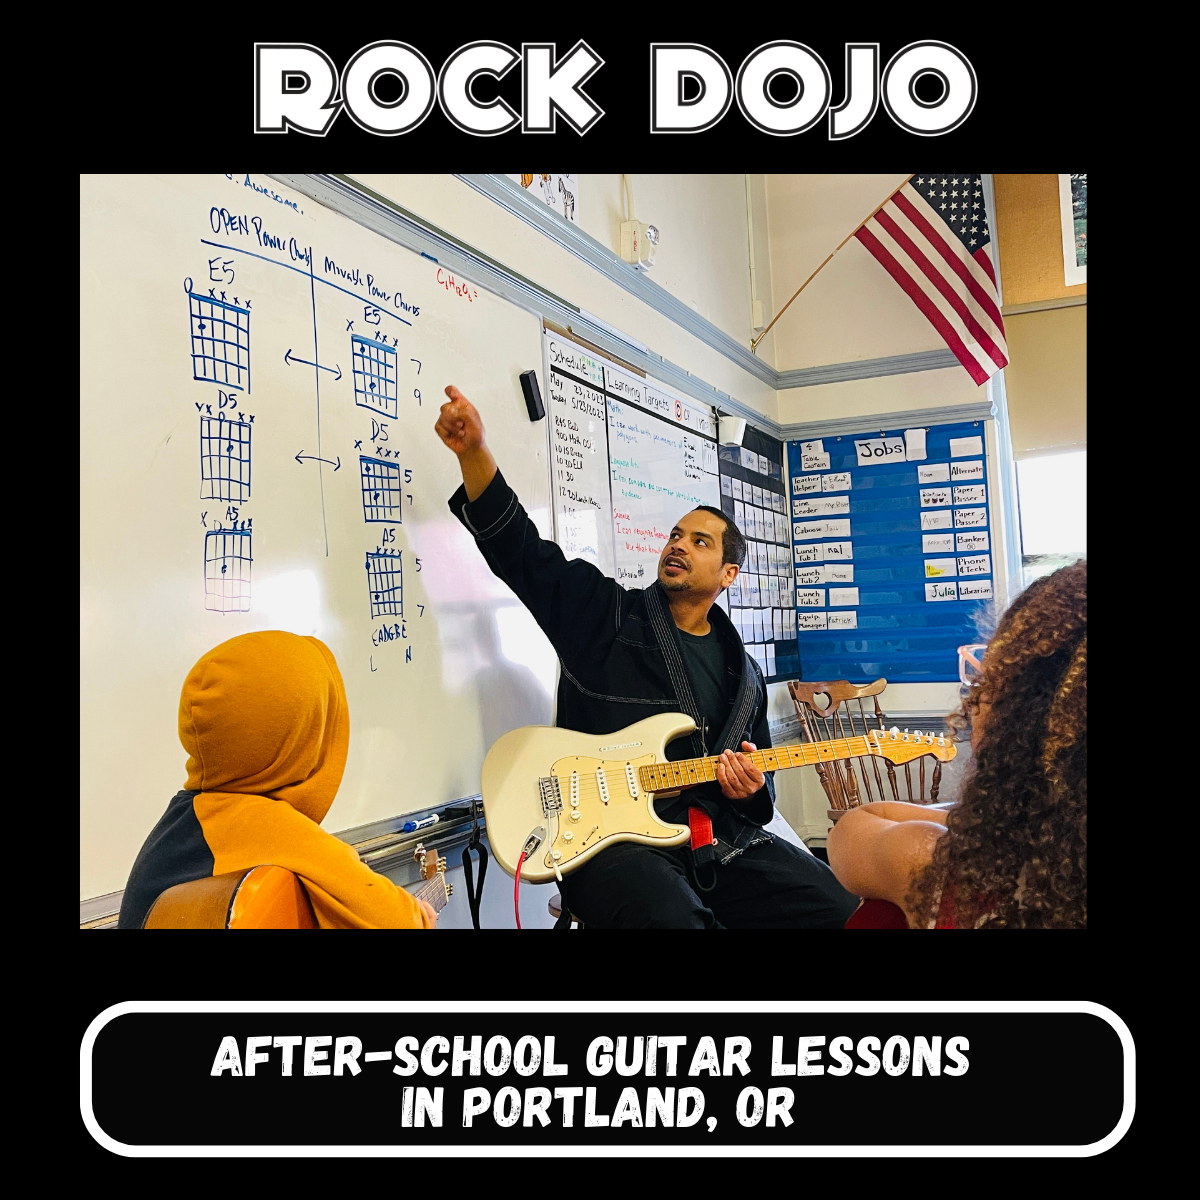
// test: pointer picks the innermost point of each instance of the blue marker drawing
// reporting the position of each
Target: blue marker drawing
(374, 375)
(227, 570)
(224, 459)
(380, 490)
(385, 579)
(220, 341)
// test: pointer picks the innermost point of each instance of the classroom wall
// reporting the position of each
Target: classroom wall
(887, 393)
(1046, 380)
(704, 258)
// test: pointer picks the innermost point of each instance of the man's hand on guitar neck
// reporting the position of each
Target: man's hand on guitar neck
(738, 776)
(460, 428)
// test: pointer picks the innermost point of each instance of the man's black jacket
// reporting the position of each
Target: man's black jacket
(620, 652)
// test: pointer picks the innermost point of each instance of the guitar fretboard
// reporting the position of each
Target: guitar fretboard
(687, 772)
(433, 892)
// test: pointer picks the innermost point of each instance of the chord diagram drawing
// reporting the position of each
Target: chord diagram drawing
(374, 375)
(385, 578)
(227, 570)
(220, 342)
(380, 490)
(224, 459)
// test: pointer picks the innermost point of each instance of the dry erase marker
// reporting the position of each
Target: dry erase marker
(423, 823)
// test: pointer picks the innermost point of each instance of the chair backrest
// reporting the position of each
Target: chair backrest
(266, 897)
(842, 714)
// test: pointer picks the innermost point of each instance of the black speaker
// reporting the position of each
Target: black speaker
(533, 395)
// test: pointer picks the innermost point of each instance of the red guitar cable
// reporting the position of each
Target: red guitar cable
(517, 890)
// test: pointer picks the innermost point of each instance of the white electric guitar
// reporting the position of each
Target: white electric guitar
(558, 796)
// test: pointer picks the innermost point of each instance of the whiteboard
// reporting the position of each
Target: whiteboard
(620, 481)
(260, 378)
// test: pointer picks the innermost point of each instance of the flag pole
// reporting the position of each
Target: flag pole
(754, 341)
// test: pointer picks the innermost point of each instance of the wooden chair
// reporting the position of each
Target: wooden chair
(848, 782)
(265, 897)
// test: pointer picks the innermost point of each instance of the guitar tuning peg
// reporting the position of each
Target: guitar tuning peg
(918, 734)
(894, 732)
(449, 889)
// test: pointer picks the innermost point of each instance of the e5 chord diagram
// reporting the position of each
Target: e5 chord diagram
(224, 459)
(227, 559)
(220, 342)
(374, 375)
(385, 579)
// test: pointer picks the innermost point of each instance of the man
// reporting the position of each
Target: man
(629, 654)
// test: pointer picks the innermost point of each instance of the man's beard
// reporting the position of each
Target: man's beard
(682, 584)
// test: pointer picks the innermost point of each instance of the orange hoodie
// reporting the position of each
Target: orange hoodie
(263, 718)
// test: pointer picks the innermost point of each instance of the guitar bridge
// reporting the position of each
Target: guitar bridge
(551, 794)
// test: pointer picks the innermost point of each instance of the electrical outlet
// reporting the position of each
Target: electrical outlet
(639, 243)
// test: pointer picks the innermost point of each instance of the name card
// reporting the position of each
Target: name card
(935, 497)
(837, 528)
(839, 551)
(810, 620)
(880, 450)
(814, 553)
(970, 541)
(810, 597)
(965, 447)
(813, 456)
(807, 576)
(943, 519)
(812, 506)
(843, 620)
(937, 543)
(974, 493)
(934, 473)
(941, 591)
(839, 572)
(726, 486)
(963, 472)
(978, 564)
(935, 568)
(970, 518)
(979, 589)
(840, 597)
(748, 459)
(914, 442)
(840, 481)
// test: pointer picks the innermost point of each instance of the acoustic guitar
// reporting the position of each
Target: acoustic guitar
(559, 797)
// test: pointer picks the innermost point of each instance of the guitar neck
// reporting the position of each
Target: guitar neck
(688, 772)
(433, 892)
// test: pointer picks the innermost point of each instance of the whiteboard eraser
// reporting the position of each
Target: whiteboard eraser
(533, 395)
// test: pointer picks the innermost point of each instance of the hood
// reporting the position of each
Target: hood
(265, 714)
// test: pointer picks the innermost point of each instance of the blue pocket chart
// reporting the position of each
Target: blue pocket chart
(892, 552)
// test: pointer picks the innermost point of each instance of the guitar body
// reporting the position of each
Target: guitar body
(601, 800)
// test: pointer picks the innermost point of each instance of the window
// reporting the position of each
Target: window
(1052, 496)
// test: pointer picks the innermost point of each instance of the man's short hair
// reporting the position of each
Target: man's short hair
(733, 543)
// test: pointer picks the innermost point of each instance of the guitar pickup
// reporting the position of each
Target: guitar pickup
(551, 793)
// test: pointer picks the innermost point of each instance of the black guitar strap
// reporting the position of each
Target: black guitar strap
(474, 895)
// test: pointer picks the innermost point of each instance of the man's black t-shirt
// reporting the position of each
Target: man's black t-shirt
(705, 659)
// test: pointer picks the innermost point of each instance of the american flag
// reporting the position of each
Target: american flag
(932, 237)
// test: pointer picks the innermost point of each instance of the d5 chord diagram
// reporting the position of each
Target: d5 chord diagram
(224, 459)
(385, 579)
(220, 342)
(380, 490)
(227, 559)
(374, 375)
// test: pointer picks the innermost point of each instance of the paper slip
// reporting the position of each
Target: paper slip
(835, 504)
(726, 486)
(936, 568)
(943, 519)
(937, 543)
(963, 447)
(838, 572)
(969, 518)
(739, 514)
(812, 506)
(787, 593)
(777, 502)
(934, 473)
(839, 551)
(837, 528)
(973, 493)
(977, 564)
(976, 589)
(879, 450)
(914, 444)
(840, 481)
(737, 489)
(817, 447)
(756, 494)
(735, 592)
(843, 620)
(935, 497)
(842, 596)
(807, 576)
(764, 467)
(748, 459)
(777, 621)
(810, 620)
(962, 472)
(773, 590)
(810, 597)
(770, 661)
(970, 541)
(808, 529)
(941, 591)
(753, 597)
(781, 526)
(808, 554)
(758, 625)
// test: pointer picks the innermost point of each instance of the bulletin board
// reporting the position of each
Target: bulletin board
(892, 551)
(761, 602)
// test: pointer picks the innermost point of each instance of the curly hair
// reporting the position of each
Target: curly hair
(1015, 855)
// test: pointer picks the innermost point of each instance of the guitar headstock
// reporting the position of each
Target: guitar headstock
(901, 746)
(432, 867)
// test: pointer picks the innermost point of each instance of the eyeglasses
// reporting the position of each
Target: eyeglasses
(970, 663)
